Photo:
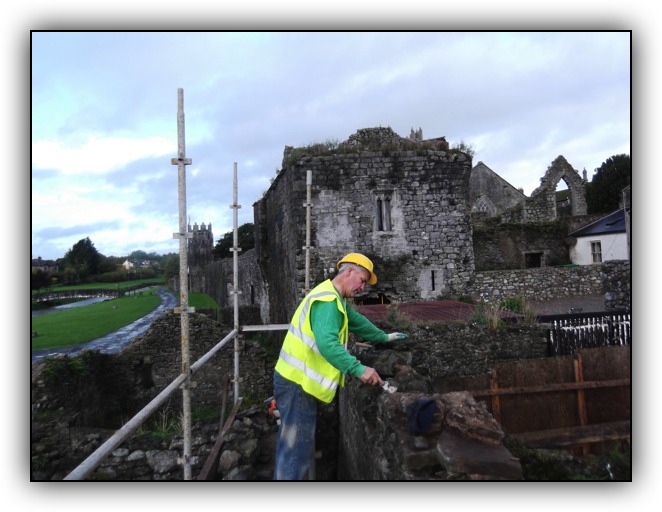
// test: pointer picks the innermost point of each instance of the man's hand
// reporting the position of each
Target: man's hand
(396, 336)
(370, 376)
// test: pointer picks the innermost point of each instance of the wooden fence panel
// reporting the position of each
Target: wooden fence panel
(567, 399)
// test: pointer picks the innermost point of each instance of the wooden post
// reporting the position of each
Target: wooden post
(581, 398)
(496, 405)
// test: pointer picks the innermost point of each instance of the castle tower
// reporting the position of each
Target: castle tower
(200, 247)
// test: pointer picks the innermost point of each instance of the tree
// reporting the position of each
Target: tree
(245, 239)
(136, 257)
(39, 279)
(107, 264)
(83, 259)
(604, 192)
(170, 264)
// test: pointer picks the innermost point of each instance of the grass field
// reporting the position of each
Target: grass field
(73, 326)
(77, 325)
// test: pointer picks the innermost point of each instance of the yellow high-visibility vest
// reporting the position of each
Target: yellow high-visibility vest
(300, 360)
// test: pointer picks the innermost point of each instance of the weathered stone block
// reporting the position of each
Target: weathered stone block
(469, 459)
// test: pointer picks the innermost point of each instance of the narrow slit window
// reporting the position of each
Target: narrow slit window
(432, 279)
(380, 221)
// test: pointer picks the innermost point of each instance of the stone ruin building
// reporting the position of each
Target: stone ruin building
(513, 231)
(491, 195)
(427, 218)
(402, 202)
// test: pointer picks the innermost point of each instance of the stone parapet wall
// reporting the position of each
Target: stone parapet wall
(611, 279)
(544, 283)
(463, 442)
(617, 278)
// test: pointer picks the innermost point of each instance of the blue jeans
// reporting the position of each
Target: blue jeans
(295, 449)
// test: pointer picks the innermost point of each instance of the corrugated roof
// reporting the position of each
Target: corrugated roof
(612, 223)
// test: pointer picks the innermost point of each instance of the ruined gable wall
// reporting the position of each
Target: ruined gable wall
(490, 193)
(541, 206)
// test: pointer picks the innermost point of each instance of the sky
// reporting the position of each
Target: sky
(104, 115)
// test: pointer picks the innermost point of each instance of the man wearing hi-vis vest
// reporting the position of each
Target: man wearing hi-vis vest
(314, 360)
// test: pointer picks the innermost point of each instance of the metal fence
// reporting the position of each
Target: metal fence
(572, 332)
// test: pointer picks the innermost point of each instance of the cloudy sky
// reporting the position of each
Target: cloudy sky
(104, 115)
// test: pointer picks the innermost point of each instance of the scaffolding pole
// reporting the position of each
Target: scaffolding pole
(235, 287)
(308, 204)
(181, 162)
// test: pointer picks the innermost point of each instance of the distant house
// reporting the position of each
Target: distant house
(127, 265)
(44, 265)
(602, 240)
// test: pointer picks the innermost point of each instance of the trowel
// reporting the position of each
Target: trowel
(388, 387)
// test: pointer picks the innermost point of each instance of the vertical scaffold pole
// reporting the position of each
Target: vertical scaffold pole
(308, 204)
(181, 162)
(235, 290)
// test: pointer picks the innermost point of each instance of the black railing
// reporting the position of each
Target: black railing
(572, 332)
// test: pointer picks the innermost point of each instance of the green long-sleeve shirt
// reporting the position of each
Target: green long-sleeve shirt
(326, 322)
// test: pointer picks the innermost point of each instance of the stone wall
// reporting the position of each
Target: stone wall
(463, 442)
(219, 279)
(500, 246)
(617, 279)
(611, 279)
(159, 352)
(545, 283)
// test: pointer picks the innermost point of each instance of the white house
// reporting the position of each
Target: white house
(602, 240)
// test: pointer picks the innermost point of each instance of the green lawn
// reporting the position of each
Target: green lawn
(73, 326)
(200, 301)
(77, 325)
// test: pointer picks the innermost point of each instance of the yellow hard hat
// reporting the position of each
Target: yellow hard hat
(361, 261)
